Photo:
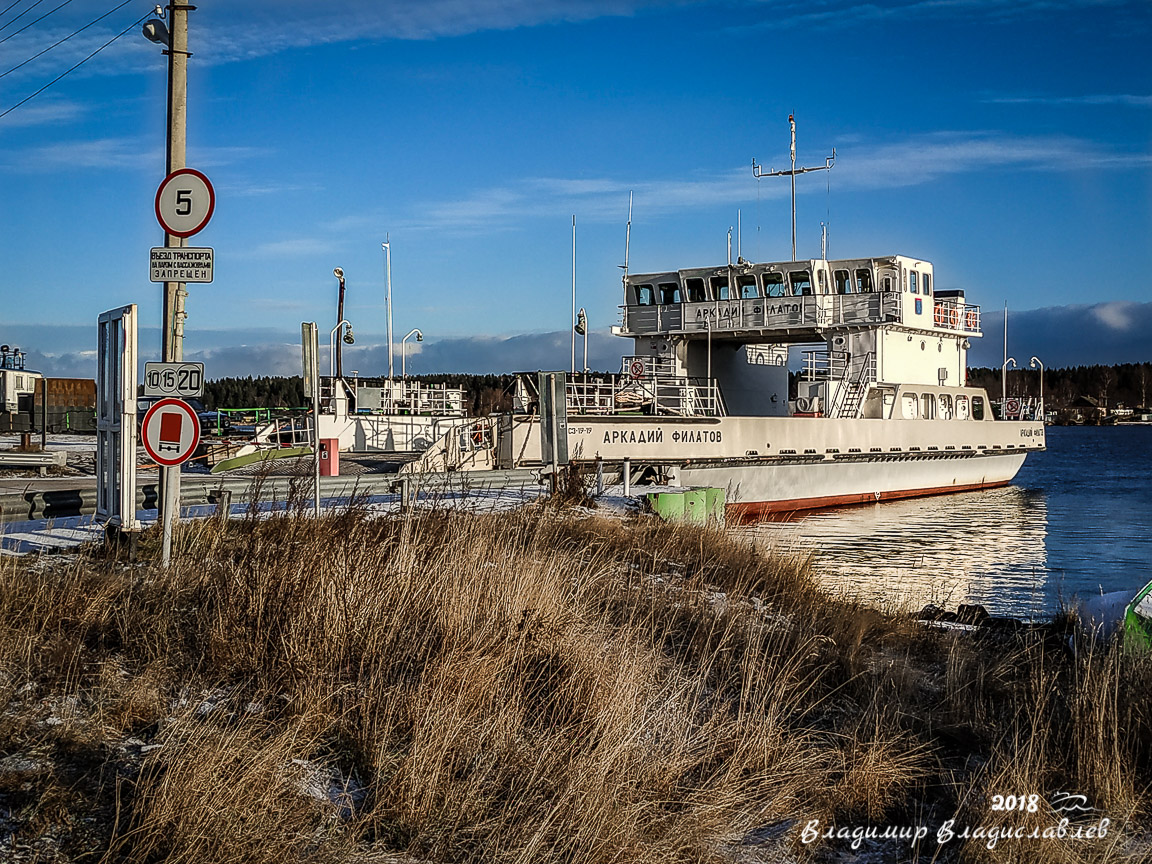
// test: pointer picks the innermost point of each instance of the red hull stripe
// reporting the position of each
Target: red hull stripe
(752, 510)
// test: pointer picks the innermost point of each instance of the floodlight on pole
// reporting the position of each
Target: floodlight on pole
(333, 346)
(404, 350)
(1034, 362)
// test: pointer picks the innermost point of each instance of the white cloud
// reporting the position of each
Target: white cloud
(861, 165)
(1116, 316)
(1128, 99)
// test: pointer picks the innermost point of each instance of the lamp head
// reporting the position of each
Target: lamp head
(419, 336)
(349, 338)
(155, 31)
(338, 272)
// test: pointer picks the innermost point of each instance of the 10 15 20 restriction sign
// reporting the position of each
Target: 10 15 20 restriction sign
(184, 202)
(171, 432)
(181, 380)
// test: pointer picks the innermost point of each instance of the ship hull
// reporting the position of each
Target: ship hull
(782, 464)
(756, 491)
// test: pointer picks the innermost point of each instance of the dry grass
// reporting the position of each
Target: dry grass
(521, 687)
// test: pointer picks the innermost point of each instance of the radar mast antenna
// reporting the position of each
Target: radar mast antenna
(627, 243)
(758, 172)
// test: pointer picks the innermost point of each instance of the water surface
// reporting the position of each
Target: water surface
(1076, 521)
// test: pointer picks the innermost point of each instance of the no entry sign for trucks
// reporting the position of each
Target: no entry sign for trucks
(171, 432)
(184, 202)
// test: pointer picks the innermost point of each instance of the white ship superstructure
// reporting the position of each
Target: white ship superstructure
(881, 409)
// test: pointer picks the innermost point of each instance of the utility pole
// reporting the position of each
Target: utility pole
(172, 338)
(758, 172)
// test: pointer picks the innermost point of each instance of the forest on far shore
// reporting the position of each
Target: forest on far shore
(1125, 385)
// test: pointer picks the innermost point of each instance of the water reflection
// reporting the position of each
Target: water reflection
(975, 547)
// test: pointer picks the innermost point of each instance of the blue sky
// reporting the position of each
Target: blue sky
(1008, 142)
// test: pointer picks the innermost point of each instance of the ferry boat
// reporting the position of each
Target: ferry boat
(882, 408)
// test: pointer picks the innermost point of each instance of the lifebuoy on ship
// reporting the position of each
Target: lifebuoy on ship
(970, 319)
(954, 317)
(938, 314)
(478, 435)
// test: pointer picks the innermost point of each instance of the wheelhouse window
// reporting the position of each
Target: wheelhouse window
(912, 286)
(864, 281)
(669, 292)
(645, 295)
(719, 287)
(747, 285)
(801, 282)
(695, 288)
(774, 285)
(886, 282)
(927, 284)
(977, 407)
(961, 407)
(843, 281)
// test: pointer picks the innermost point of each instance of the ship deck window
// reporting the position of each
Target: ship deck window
(945, 406)
(774, 285)
(961, 407)
(719, 287)
(801, 282)
(927, 284)
(977, 407)
(886, 284)
(908, 406)
(695, 288)
(669, 292)
(912, 286)
(747, 285)
(843, 281)
(928, 406)
(864, 281)
(645, 296)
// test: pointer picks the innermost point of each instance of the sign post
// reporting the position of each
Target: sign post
(185, 202)
(170, 435)
(310, 360)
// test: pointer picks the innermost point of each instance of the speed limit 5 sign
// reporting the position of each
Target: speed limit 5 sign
(184, 202)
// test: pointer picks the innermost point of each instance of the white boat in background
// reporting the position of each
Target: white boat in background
(882, 408)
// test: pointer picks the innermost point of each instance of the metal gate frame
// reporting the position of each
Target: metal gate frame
(116, 419)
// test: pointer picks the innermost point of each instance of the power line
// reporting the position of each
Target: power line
(34, 23)
(21, 15)
(65, 39)
(73, 68)
(9, 6)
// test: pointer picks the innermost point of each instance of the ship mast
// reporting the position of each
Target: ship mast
(758, 172)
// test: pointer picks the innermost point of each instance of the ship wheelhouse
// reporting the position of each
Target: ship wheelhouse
(872, 327)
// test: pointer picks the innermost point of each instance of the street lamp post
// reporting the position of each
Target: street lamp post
(404, 351)
(1004, 384)
(334, 347)
(1034, 362)
(387, 246)
(338, 352)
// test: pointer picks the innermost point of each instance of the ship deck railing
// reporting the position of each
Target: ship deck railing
(396, 396)
(803, 313)
(646, 386)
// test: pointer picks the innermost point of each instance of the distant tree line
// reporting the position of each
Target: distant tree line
(1127, 385)
(487, 393)
(267, 391)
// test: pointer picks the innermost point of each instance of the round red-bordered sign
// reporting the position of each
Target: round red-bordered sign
(637, 369)
(171, 432)
(185, 202)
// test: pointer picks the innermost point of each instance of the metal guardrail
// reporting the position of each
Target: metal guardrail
(42, 459)
(57, 503)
